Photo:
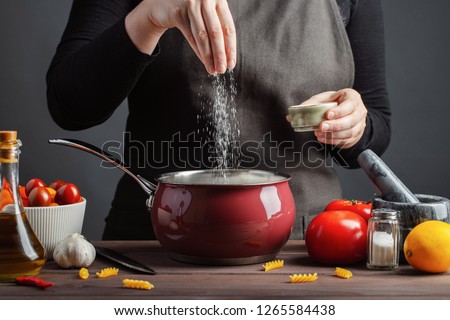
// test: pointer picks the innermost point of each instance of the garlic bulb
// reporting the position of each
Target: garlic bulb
(74, 252)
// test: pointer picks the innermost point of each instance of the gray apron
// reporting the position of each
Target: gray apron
(287, 52)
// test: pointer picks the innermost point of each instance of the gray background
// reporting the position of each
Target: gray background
(418, 69)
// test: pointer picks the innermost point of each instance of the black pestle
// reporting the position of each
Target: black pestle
(389, 185)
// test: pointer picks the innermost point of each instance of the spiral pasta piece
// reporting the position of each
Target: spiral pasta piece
(275, 264)
(83, 273)
(107, 272)
(137, 284)
(297, 278)
(343, 273)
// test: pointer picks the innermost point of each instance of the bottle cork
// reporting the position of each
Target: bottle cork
(8, 136)
(9, 146)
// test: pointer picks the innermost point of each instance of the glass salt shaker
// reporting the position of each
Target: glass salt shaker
(383, 239)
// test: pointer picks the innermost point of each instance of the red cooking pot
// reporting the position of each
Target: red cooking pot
(226, 217)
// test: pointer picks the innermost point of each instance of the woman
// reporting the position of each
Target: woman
(282, 53)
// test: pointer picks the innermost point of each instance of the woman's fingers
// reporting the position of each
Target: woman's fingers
(200, 34)
(345, 123)
(229, 32)
(185, 29)
(340, 135)
(213, 31)
(215, 35)
(344, 139)
(207, 25)
(342, 117)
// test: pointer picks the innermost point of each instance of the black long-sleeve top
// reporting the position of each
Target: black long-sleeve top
(96, 67)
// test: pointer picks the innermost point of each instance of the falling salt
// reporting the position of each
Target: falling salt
(222, 127)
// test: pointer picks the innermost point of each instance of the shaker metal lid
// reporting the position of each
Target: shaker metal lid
(385, 213)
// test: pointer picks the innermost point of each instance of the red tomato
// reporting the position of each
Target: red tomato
(33, 183)
(55, 185)
(67, 194)
(39, 197)
(360, 207)
(337, 237)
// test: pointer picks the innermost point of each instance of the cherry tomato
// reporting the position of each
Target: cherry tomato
(67, 194)
(39, 197)
(360, 207)
(55, 185)
(337, 237)
(33, 183)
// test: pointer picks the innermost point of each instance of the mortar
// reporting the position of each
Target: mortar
(413, 208)
(410, 215)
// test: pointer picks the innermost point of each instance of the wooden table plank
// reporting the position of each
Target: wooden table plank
(176, 280)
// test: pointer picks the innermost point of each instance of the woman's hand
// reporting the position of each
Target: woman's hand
(345, 123)
(206, 24)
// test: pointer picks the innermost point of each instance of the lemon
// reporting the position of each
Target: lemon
(427, 246)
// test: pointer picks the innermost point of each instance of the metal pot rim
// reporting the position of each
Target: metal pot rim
(226, 177)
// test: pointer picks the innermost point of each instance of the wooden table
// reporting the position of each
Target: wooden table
(175, 280)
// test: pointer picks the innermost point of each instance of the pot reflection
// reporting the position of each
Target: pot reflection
(270, 200)
(174, 203)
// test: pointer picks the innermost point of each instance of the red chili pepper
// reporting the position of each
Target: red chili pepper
(33, 281)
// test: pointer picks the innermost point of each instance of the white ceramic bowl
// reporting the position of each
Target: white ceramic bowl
(54, 223)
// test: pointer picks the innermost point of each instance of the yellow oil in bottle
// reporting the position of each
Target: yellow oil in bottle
(21, 253)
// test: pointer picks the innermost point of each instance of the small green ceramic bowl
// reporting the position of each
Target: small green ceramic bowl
(308, 117)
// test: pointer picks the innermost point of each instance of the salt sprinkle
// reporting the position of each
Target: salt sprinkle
(222, 125)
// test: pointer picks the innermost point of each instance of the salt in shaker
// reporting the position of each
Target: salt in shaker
(383, 237)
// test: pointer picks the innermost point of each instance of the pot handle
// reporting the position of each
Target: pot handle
(146, 185)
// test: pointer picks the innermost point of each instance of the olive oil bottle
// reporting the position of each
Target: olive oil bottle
(21, 253)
